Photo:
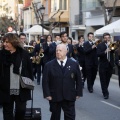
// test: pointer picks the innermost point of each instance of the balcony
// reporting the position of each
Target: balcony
(64, 17)
(91, 5)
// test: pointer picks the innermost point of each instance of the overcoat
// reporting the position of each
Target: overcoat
(5, 62)
(62, 85)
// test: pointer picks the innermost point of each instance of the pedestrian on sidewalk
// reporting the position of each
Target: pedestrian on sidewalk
(10, 90)
(62, 84)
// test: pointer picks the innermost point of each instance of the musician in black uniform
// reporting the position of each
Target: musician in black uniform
(91, 61)
(52, 46)
(22, 37)
(46, 46)
(106, 63)
(39, 65)
(81, 55)
(64, 39)
(117, 60)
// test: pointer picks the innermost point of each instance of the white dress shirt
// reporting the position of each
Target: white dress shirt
(64, 61)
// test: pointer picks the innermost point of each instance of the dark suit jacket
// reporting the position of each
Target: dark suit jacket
(81, 54)
(36, 49)
(61, 85)
(46, 57)
(70, 51)
(90, 54)
(103, 61)
(117, 58)
(52, 50)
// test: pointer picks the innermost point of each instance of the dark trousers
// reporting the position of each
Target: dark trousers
(34, 69)
(8, 109)
(105, 75)
(83, 71)
(68, 109)
(91, 72)
(119, 75)
(39, 71)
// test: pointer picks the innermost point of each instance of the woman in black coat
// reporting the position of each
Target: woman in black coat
(10, 67)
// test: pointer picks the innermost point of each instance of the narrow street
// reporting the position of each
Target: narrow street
(91, 106)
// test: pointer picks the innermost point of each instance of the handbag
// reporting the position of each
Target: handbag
(26, 82)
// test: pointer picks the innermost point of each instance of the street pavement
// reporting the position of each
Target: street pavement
(91, 106)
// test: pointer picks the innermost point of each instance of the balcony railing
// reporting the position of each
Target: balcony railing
(90, 5)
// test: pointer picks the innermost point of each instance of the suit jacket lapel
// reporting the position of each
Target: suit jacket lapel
(68, 66)
(57, 67)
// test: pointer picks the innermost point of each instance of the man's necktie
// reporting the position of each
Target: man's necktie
(61, 64)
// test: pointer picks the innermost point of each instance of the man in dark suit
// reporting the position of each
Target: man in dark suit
(62, 84)
(64, 39)
(81, 55)
(91, 61)
(52, 47)
(106, 63)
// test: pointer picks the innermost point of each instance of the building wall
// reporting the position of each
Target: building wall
(109, 3)
(74, 13)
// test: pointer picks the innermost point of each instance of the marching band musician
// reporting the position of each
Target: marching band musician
(46, 45)
(81, 56)
(117, 61)
(22, 37)
(37, 50)
(52, 47)
(106, 63)
(64, 38)
(91, 61)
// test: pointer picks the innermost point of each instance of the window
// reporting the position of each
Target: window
(63, 4)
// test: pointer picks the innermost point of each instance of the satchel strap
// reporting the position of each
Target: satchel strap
(31, 91)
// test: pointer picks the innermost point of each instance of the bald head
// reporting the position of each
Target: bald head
(61, 51)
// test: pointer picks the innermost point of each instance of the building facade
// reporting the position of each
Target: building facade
(94, 16)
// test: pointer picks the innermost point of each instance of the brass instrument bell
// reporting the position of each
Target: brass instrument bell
(113, 46)
(29, 48)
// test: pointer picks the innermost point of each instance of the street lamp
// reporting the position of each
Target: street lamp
(41, 11)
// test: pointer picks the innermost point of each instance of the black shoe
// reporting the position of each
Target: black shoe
(35, 77)
(106, 97)
(83, 84)
(90, 90)
(38, 83)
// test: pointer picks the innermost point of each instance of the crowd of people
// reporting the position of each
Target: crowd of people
(56, 62)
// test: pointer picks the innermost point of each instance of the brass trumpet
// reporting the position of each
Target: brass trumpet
(29, 48)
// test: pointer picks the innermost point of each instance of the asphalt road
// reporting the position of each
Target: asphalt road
(92, 106)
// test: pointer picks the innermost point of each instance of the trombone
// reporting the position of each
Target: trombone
(97, 41)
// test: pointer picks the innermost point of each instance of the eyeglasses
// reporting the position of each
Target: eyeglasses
(64, 36)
